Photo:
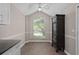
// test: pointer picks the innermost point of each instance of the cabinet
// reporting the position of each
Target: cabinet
(58, 32)
(4, 13)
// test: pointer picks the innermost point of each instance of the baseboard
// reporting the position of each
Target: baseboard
(26, 42)
(67, 52)
(50, 41)
(39, 40)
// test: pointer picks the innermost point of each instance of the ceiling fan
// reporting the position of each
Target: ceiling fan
(41, 5)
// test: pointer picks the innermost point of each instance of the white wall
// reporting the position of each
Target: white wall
(16, 28)
(70, 41)
(29, 24)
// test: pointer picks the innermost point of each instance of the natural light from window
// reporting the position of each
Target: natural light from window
(38, 28)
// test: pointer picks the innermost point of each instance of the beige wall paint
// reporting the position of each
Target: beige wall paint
(29, 28)
(70, 41)
(16, 28)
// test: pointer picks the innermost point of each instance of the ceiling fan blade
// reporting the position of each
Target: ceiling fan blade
(43, 5)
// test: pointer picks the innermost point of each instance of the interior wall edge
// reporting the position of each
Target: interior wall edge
(17, 9)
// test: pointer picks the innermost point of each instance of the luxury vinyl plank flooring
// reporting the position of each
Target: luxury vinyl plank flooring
(39, 49)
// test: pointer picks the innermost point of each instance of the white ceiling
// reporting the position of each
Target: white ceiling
(49, 8)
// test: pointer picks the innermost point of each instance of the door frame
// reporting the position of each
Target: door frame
(76, 30)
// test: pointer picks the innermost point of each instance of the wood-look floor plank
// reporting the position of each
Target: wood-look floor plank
(39, 49)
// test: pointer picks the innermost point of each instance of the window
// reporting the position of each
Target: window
(38, 28)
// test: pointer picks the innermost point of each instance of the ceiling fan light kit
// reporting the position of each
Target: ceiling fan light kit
(39, 9)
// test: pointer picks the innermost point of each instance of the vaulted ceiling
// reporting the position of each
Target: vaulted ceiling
(49, 8)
